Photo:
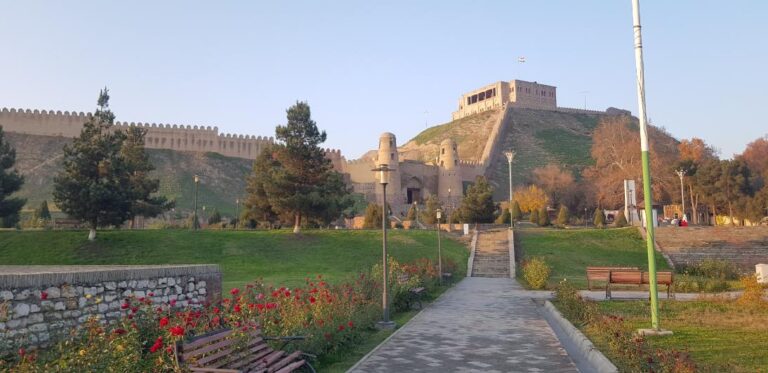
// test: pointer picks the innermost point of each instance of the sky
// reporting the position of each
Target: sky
(368, 67)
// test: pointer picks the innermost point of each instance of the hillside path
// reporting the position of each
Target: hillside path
(492, 254)
(480, 325)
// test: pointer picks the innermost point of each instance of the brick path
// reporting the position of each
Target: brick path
(479, 325)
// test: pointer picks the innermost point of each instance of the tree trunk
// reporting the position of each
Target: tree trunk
(730, 213)
(714, 214)
(297, 223)
(694, 205)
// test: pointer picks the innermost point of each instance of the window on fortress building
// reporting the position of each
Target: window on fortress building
(442, 151)
(456, 162)
(392, 156)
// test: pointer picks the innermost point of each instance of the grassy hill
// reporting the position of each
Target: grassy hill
(222, 178)
(279, 257)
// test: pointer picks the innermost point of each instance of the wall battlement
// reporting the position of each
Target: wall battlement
(159, 136)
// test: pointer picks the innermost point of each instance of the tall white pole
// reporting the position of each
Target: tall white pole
(644, 148)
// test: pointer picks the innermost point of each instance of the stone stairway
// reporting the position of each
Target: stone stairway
(491, 254)
(743, 246)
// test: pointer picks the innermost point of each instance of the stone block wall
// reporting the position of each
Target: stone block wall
(40, 304)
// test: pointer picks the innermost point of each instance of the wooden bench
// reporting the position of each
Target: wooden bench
(222, 352)
(415, 295)
(637, 277)
(601, 274)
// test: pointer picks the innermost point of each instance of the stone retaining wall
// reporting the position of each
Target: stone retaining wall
(39, 304)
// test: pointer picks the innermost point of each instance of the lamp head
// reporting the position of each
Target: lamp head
(439, 213)
(510, 155)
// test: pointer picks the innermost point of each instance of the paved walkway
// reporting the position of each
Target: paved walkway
(479, 325)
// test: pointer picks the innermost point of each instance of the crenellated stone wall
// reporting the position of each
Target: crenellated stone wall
(159, 136)
(40, 304)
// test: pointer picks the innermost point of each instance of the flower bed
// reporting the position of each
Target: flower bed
(330, 316)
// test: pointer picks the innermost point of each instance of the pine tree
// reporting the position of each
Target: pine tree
(534, 218)
(145, 201)
(43, 212)
(599, 219)
(621, 221)
(516, 214)
(562, 216)
(215, 217)
(477, 205)
(10, 182)
(429, 215)
(94, 183)
(543, 217)
(295, 176)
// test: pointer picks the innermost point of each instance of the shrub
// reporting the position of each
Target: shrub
(753, 291)
(563, 216)
(599, 219)
(516, 214)
(411, 213)
(716, 269)
(572, 305)
(372, 216)
(621, 221)
(215, 217)
(534, 218)
(543, 217)
(504, 218)
(536, 272)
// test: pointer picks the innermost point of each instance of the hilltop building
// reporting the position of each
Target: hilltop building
(515, 93)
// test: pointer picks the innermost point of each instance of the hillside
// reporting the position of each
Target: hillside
(538, 136)
(222, 178)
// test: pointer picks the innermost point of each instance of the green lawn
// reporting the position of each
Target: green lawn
(721, 336)
(279, 257)
(569, 252)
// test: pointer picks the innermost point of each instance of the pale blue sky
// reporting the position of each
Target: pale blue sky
(372, 66)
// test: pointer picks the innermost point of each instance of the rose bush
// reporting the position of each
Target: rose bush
(330, 316)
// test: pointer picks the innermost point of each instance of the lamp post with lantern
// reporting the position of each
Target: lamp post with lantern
(439, 214)
(510, 156)
(383, 173)
(237, 212)
(195, 222)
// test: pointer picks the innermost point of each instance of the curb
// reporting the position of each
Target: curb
(471, 260)
(512, 266)
(586, 351)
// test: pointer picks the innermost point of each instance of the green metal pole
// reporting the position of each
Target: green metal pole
(645, 150)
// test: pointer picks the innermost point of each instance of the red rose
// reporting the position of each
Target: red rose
(341, 328)
(173, 302)
(43, 295)
(216, 310)
(163, 322)
(312, 300)
(237, 308)
(22, 352)
(120, 331)
(177, 331)
(260, 307)
(351, 324)
(287, 293)
(125, 306)
(135, 309)
(151, 294)
(234, 291)
(158, 344)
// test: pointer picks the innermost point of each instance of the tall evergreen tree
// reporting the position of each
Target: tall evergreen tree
(543, 217)
(145, 201)
(294, 175)
(94, 183)
(563, 216)
(477, 205)
(599, 219)
(429, 214)
(43, 212)
(10, 182)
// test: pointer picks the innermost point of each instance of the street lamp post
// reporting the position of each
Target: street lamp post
(644, 151)
(195, 221)
(385, 323)
(449, 208)
(510, 156)
(439, 214)
(681, 173)
(237, 212)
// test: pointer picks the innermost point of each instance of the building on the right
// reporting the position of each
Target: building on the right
(516, 93)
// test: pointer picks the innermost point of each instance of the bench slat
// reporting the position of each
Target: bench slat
(187, 355)
(283, 362)
(205, 339)
(291, 367)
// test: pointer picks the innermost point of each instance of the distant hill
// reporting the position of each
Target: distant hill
(222, 178)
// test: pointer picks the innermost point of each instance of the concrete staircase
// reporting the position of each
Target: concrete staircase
(491, 254)
(743, 246)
